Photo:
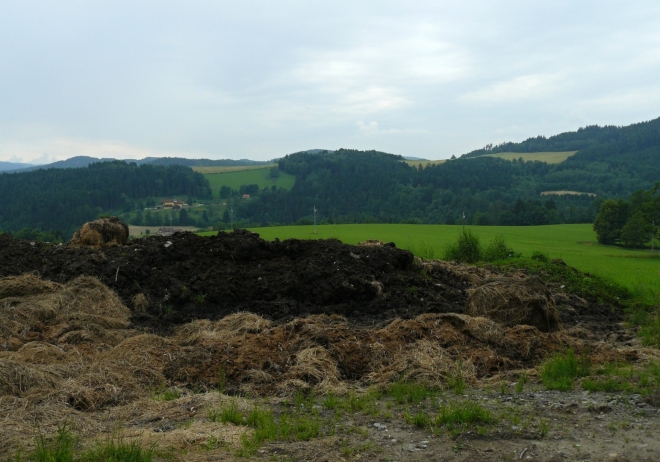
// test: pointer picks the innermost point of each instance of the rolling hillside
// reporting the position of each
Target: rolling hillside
(234, 179)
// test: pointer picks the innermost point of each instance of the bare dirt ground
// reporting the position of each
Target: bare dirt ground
(174, 342)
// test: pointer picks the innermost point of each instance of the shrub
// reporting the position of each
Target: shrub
(466, 249)
(498, 249)
(540, 256)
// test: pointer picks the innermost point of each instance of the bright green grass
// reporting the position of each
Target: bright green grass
(575, 244)
(225, 169)
(547, 157)
(560, 371)
(258, 176)
(415, 163)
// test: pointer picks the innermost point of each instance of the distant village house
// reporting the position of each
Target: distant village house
(173, 204)
(246, 196)
(168, 231)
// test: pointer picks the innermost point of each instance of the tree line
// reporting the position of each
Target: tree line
(630, 223)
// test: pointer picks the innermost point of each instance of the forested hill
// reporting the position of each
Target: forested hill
(594, 139)
(355, 186)
(62, 199)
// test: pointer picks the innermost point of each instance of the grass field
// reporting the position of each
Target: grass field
(205, 170)
(576, 244)
(547, 157)
(415, 163)
(258, 176)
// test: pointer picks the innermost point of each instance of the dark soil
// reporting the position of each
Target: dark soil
(186, 276)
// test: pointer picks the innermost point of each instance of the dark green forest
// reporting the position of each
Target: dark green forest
(60, 200)
(368, 187)
(349, 186)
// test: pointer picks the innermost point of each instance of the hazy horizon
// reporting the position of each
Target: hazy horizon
(257, 81)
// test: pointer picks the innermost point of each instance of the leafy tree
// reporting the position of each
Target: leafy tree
(610, 220)
(183, 218)
(139, 218)
(225, 192)
(251, 189)
(636, 231)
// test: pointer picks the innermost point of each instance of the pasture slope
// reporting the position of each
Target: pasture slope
(233, 168)
(576, 244)
(258, 176)
(547, 157)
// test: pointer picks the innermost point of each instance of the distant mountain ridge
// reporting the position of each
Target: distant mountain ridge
(85, 161)
(4, 166)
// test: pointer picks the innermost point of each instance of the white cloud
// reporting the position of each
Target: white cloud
(372, 128)
(384, 72)
(50, 150)
(526, 87)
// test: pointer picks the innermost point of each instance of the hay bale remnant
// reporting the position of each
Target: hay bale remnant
(104, 232)
(512, 301)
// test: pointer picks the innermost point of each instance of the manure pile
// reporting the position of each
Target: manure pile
(86, 331)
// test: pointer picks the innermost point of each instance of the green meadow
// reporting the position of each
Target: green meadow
(258, 176)
(638, 270)
(547, 157)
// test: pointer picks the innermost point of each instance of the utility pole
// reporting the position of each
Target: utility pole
(463, 221)
(315, 219)
(231, 217)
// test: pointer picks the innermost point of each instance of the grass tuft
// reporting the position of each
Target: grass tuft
(116, 450)
(409, 392)
(560, 371)
(462, 414)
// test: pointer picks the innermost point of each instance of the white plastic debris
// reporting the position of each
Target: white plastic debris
(168, 243)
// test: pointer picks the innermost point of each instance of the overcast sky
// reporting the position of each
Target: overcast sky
(247, 79)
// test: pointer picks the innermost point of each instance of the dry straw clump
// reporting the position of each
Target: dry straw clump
(140, 303)
(515, 300)
(423, 361)
(229, 327)
(469, 274)
(71, 344)
(81, 311)
(315, 366)
(104, 232)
